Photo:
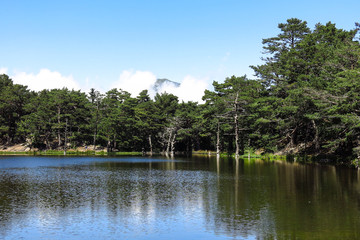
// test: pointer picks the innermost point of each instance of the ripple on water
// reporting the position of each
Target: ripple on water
(140, 199)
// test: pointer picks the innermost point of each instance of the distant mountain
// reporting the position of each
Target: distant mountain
(160, 82)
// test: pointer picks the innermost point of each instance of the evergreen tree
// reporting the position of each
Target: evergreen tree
(13, 98)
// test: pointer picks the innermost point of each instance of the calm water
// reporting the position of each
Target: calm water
(198, 198)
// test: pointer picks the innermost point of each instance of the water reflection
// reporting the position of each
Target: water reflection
(195, 198)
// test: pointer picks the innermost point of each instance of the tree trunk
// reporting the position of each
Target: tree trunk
(47, 140)
(316, 137)
(96, 125)
(218, 139)
(249, 149)
(59, 122)
(94, 142)
(168, 145)
(292, 138)
(173, 144)
(108, 145)
(237, 147)
(65, 136)
(150, 145)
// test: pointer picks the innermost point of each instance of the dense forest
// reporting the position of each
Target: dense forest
(305, 99)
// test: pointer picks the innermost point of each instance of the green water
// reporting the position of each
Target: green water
(193, 198)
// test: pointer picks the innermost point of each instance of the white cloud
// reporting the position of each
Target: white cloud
(45, 79)
(3, 70)
(190, 89)
(135, 82)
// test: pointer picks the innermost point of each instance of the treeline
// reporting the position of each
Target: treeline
(305, 100)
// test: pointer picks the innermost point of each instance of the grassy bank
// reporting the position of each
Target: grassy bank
(309, 159)
(70, 153)
(244, 155)
(319, 159)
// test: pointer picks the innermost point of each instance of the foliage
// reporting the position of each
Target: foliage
(306, 99)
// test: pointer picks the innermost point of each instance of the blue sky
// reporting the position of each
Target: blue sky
(128, 44)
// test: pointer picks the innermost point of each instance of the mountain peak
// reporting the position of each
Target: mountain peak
(160, 82)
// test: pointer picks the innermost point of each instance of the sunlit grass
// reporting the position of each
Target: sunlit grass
(71, 153)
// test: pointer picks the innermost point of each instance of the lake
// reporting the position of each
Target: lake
(180, 198)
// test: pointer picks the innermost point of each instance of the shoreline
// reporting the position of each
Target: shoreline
(68, 153)
(23, 150)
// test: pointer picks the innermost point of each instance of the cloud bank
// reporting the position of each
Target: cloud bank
(135, 82)
(3, 70)
(45, 79)
(190, 89)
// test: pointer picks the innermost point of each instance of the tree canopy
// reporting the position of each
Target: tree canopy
(305, 99)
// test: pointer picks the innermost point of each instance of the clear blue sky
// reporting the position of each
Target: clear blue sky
(96, 41)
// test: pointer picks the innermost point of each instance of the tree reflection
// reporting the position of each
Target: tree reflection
(233, 197)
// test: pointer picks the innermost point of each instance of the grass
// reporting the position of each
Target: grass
(271, 157)
(71, 153)
(268, 157)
